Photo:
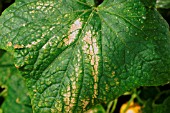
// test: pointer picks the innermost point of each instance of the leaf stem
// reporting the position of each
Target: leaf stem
(131, 100)
(114, 106)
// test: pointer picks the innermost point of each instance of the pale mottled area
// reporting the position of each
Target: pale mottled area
(73, 32)
(91, 48)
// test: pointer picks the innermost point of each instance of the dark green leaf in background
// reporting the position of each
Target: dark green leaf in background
(162, 108)
(74, 55)
(152, 107)
(15, 93)
(163, 4)
(163, 7)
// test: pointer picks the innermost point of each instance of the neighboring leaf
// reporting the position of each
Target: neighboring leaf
(17, 99)
(151, 107)
(156, 99)
(162, 108)
(7, 67)
(74, 55)
(165, 4)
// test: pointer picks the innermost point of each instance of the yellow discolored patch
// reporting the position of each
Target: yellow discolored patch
(87, 37)
(68, 88)
(58, 105)
(116, 80)
(17, 46)
(85, 103)
(34, 90)
(74, 29)
(90, 111)
(67, 97)
(113, 73)
(117, 83)
(16, 66)
(91, 48)
(74, 85)
(107, 87)
(69, 108)
(9, 44)
(33, 43)
(17, 100)
(53, 110)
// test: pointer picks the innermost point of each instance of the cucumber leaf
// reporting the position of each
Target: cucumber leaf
(75, 54)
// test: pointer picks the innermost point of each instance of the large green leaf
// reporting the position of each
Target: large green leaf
(15, 93)
(76, 53)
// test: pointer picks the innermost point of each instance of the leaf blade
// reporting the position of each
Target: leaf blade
(75, 56)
